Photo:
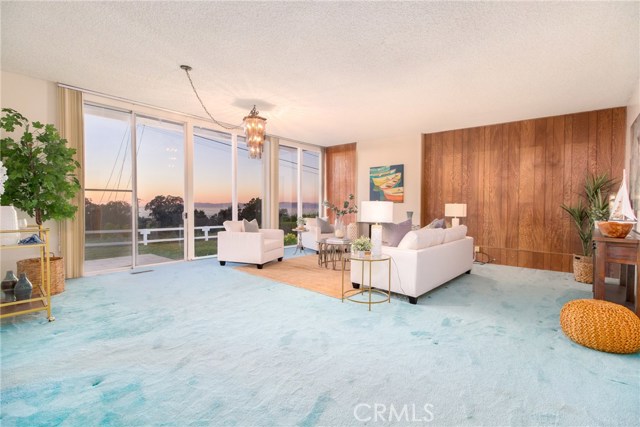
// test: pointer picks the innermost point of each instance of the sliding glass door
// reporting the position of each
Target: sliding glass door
(299, 185)
(211, 187)
(108, 189)
(159, 191)
(134, 199)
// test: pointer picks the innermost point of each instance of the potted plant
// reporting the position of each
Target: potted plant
(592, 206)
(348, 207)
(300, 222)
(40, 170)
(361, 246)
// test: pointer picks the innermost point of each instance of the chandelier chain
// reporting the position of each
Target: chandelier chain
(186, 70)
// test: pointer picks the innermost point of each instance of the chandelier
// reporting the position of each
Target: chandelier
(253, 125)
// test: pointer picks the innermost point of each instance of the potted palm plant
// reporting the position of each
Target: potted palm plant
(40, 167)
(592, 206)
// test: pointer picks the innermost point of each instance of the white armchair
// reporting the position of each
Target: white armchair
(251, 248)
(313, 234)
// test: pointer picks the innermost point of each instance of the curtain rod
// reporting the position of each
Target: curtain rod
(167, 110)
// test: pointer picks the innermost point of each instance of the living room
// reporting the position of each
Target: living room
(503, 107)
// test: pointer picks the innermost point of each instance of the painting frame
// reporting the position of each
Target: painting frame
(386, 183)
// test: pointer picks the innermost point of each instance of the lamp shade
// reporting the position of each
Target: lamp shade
(455, 210)
(377, 212)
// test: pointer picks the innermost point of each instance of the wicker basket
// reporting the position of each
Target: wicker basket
(601, 325)
(583, 268)
(31, 267)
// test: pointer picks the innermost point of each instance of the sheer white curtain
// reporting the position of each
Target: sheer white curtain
(72, 230)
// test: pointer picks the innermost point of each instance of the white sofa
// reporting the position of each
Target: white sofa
(251, 248)
(312, 235)
(423, 260)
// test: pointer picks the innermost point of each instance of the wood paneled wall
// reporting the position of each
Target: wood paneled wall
(514, 177)
(340, 173)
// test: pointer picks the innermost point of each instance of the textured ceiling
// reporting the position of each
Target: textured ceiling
(331, 73)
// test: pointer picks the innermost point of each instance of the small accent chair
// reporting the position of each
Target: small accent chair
(237, 245)
(314, 233)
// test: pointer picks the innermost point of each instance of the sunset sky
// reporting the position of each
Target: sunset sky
(160, 158)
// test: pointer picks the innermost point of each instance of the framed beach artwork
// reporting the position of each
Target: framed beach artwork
(386, 183)
(634, 170)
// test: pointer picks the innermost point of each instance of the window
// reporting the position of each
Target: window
(288, 188)
(138, 186)
(108, 189)
(310, 183)
(211, 187)
(250, 184)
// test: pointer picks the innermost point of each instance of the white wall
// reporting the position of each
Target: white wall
(37, 101)
(633, 109)
(404, 149)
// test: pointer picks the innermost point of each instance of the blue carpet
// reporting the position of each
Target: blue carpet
(199, 344)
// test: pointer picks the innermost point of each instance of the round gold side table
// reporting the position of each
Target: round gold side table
(349, 294)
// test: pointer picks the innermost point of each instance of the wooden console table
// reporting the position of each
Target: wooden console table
(619, 251)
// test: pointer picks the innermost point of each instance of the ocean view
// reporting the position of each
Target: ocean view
(291, 207)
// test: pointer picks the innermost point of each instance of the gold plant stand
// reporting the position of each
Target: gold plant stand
(42, 302)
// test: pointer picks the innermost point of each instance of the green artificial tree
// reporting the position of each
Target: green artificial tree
(40, 169)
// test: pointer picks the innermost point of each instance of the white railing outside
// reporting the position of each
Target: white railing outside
(146, 232)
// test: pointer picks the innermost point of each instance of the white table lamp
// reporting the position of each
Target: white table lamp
(376, 212)
(455, 210)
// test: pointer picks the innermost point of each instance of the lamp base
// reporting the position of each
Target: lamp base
(455, 222)
(376, 240)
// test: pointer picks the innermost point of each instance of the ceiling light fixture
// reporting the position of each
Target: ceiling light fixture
(253, 125)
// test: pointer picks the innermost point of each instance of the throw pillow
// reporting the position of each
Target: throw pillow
(437, 223)
(455, 233)
(233, 226)
(392, 234)
(251, 226)
(325, 227)
(423, 238)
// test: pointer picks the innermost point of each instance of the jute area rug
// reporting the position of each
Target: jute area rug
(303, 272)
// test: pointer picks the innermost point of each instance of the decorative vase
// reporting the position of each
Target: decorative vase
(23, 288)
(360, 254)
(8, 283)
(339, 228)
(352, 231)
(9, 221)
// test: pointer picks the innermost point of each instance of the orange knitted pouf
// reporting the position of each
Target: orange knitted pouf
(601, 325)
